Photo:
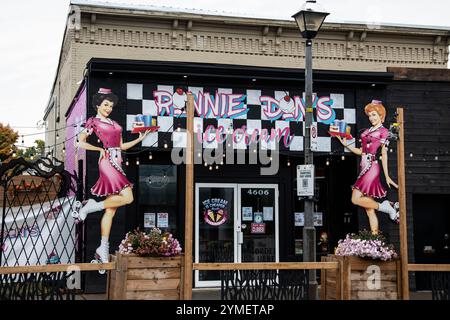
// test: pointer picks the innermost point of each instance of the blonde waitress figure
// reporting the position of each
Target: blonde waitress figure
(368, 186)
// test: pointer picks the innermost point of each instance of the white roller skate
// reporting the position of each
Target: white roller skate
(392, 209)
(81, 209)
(77, 205)
(395, 217)
(101, 255)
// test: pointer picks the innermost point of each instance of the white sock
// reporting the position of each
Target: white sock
(105, 241)
(386, 207)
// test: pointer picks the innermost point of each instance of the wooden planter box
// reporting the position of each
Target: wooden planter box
(146, 278)
(355, 279)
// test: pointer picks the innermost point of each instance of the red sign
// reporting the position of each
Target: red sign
(258, 228)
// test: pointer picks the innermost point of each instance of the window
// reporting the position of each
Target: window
(158, 196)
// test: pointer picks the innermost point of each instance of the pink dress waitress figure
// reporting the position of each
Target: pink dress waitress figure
(112, 182)
(368, 185)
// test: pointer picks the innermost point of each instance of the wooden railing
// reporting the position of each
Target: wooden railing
(267, 266)
(58, 268)
(429, 267)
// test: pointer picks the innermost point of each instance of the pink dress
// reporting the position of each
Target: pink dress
(368, 181)
(112, 179)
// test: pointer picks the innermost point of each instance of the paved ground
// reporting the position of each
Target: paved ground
(208, 294)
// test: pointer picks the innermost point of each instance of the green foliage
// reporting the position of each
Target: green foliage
(8, 137)
(34, 152)
(367, 235)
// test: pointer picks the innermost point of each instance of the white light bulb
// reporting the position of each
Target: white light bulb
(343, 158)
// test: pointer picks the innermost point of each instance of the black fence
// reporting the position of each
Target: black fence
(264, 284)
(37, 227)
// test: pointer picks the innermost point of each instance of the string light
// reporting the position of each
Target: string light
(199, 154)
(165, 146)
(57, 136)
(411, 155)
(23, 141)
(342, 157)
(127, 163)
(217, 167)
(210, 168)
(206, 164)
(150, 156)
(137, 161)
(436, 158)
(288, 163)
(328, 162)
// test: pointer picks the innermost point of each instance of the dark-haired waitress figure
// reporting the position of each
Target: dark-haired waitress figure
(112, 182)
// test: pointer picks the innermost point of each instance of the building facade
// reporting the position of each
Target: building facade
(240, 70)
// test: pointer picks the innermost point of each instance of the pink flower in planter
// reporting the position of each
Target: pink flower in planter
(154, 243)
(366, 245)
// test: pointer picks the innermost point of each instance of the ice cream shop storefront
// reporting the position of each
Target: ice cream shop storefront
(248, 143)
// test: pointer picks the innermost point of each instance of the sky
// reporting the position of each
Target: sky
(28, 67)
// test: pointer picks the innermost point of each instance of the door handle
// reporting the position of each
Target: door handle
(240, 237)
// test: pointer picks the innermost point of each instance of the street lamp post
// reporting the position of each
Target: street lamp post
(309, 20)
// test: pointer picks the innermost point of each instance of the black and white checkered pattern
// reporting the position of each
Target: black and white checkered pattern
(172, 128)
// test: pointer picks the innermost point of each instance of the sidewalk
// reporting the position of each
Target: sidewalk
(214, 294)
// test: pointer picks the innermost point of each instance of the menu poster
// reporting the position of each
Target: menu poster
(247, 214)
(149, 220)
(268, 213)
(163, 220)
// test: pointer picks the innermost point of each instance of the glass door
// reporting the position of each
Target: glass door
(215, 225)
(234, 223)
(258, 223)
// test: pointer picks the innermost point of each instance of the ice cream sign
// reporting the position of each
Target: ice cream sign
(215, 211)
(223, 105)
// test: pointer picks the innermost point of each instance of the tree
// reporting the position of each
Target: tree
(8, 137)
(34, 152)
